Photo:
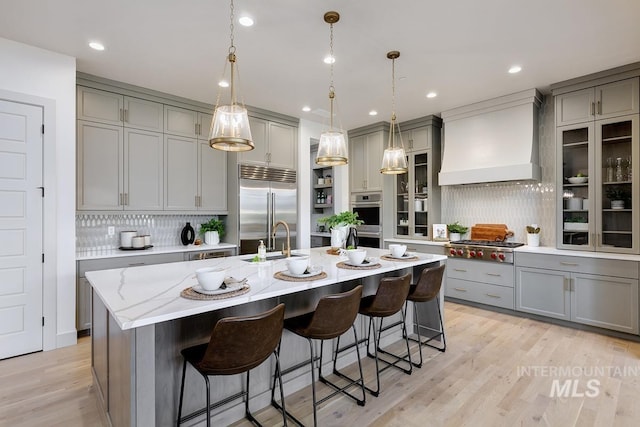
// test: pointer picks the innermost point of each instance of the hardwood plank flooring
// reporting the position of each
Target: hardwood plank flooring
(498, 370)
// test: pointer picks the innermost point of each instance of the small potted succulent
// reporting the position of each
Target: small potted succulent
(456, 231)
(213, 231)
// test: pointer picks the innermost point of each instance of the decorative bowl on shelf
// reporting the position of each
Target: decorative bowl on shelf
(578, 179)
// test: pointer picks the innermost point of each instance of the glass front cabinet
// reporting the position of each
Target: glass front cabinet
(416, 193)
(598, 178)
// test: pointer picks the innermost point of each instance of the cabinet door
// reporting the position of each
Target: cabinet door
(375, 150)
(204, 125)
(180, 121)
(259, 133)
(420, 139)
(181, 173)
(617, 99)
(543, 292)
(575, 107)
(282, 146)
(213, 178)
(143, 170)
(99, 106)
(607, 302)
(99, 166)
(142, 114)
(83, 304)
(358, 163)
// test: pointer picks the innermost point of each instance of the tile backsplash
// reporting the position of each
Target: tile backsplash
(92, 229)
(514, 204)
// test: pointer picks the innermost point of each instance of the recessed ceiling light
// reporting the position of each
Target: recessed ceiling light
(373, 113)
(306, 109)
(96, 46)
(515, 69)
(329, 59)
(245, 21)
(432, 95)
(223, 83)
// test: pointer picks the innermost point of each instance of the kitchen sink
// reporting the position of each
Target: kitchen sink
(273, 257)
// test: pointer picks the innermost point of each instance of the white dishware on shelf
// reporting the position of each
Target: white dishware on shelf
(577, 179)
(211, 278)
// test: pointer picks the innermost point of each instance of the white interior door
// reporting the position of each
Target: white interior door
(20, 228)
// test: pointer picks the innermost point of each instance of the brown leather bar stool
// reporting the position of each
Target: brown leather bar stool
(334, 315)
(427, 289)
(237, 344)
(388, 300)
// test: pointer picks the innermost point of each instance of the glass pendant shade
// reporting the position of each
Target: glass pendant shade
(394, 160)
(332, 149)
(230, 129)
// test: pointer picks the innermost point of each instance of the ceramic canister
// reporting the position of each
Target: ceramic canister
(125, 238)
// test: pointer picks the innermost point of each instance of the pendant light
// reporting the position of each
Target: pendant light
(230, 125)
(394, 160)
(332, 148)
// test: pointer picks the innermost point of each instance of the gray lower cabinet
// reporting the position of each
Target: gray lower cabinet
(482, 282)
(593, 291)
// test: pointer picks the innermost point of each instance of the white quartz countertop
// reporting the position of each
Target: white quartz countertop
(145, 295)
(115, 253)
(547, 250)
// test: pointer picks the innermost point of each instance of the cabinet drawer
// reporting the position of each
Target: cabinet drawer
(478, 271)
(130, 261)
(599, 266)
(498, 296)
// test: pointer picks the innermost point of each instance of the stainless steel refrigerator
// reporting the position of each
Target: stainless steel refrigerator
(267, 195)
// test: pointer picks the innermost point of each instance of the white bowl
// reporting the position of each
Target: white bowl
(356, 256)
(578, 179)
(297, 264)
(211, 278)
(397, 250)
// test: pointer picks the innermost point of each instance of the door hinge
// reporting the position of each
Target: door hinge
(43, 129)
(42, 320)
(43, 258)
(42, 189)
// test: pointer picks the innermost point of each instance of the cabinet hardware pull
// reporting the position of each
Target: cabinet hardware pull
(593, 108)
(121, 115)
(462, 270)
(494, 274)
(136, 264)
(120, 200)
(571, 264)
(493, 296)
(126, 199)
(599, 108)
(126, 115)
(460, 289)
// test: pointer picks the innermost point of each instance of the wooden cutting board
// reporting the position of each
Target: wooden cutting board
(492, 232)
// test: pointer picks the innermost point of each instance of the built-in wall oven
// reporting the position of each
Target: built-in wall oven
(368, 206)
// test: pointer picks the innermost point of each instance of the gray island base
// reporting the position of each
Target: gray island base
(140, 324)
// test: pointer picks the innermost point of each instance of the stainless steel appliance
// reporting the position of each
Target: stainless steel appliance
(368, 206)
(267, 195)
(482, 250)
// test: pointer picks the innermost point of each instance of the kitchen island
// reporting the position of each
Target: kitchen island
(140, 324)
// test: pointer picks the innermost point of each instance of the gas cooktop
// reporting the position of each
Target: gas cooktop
(482, 250)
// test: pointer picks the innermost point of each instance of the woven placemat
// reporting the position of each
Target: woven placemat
(280, 275)
(390, 258)
(346, 266)
(190, 293)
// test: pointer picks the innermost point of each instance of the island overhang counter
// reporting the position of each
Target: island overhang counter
(140, 324)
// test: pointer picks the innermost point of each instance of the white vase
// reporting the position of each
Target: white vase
(533, 239)
(211, 237)
(454, 237)
(338, 236)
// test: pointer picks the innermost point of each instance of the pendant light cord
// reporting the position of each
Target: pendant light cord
(392, 137)
(332, 93)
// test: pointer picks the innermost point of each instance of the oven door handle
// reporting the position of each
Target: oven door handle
(367, 205)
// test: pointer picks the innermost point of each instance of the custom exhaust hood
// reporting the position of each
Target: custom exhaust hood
(492, 141)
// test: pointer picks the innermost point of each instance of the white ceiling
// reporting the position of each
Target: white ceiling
(459, 48)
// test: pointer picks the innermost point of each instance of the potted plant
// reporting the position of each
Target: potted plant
(213, 231)
(619, 196)
(339, 225)
(456, 231)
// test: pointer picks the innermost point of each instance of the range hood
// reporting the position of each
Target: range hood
(492, 141)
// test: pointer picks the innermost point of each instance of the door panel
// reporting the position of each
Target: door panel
(253, 212)
(20, 229)
(284, 209)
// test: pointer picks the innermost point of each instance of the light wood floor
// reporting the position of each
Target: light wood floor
(479, 381)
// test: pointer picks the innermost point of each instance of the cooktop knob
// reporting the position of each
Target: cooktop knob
(501, 256)
(494, 255)
(472, 254)
(452, 252)
(460, 252)
(480, 254)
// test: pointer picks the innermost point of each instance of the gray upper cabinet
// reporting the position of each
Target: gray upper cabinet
(115, 109)
(600, 102)
(181, 181)
(275, 145)
(180, 121)
(416, 139)
(366, 146)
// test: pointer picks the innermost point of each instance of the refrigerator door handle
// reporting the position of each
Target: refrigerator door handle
(269, 221)
(273, 217)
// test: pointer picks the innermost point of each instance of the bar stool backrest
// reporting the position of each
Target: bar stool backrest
(241, 343)
(429, 284)
(391, 295)
(334, 314)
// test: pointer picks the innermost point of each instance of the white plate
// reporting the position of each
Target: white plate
(312, 274)
(230, 288)
(405, 256)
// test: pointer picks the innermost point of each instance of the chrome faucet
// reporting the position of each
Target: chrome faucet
(287, 252)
